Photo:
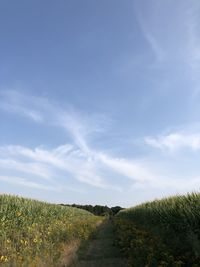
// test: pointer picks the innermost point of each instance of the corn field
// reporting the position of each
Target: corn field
(162, 233)
(34, 233)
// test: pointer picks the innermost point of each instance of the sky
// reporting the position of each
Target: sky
(99, 100)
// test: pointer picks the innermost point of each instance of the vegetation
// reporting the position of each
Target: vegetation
(97, 209)
(101, 251)
(161, 233)
(34, 233)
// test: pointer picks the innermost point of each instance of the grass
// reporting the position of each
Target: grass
(100, 250)
(34, 233)
(162, 233)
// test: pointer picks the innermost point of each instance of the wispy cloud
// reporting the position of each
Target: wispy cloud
(150, 38)
(175, 141)
(193, 32)
(132, 169)
(25, 183)
(174, 37)
(26, 167)
(50, 163)
(79, 125)
(79, 160)
(89, 169)
(14, 102)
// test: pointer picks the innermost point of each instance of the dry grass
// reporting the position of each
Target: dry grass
(69, 253)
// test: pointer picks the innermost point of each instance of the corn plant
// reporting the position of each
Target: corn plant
(34, 233)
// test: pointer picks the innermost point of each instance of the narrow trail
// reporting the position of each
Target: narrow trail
(100, 251)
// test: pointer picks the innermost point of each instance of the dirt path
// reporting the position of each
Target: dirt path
(100, 251)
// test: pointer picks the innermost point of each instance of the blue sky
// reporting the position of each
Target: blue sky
(99, 100)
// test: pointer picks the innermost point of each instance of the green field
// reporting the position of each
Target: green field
(161, 233)
(35, 234)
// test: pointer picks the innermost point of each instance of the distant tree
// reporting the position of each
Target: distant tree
(97, 209)
(116, 209)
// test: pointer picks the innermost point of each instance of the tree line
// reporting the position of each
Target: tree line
(97, 209)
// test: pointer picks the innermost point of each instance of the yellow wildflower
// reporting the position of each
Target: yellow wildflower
(4, 258)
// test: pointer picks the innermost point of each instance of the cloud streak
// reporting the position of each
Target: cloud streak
(174, 39)
(175, 141)
(150, 37)
(78, 160)
(19, 181)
